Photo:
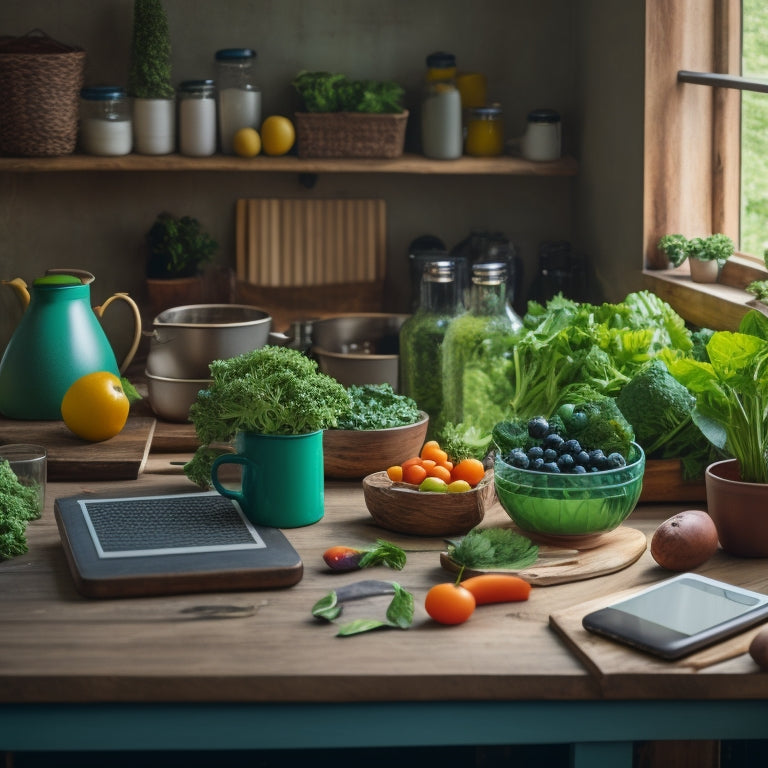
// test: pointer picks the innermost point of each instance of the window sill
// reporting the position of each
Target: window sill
(706, 305)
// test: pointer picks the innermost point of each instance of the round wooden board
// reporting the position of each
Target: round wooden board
(619, 549)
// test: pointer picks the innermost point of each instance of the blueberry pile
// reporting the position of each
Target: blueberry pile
(554, 453)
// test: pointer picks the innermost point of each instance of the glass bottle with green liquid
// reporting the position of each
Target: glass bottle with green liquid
(477, 350)
(421, 338)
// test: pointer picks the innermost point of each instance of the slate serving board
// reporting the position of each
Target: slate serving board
(71, 458)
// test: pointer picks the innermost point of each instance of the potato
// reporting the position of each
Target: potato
(758, 649)
(684, 541)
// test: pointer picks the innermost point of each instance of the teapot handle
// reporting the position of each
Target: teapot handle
(136, 324)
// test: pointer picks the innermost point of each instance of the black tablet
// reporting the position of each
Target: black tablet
(680, 615)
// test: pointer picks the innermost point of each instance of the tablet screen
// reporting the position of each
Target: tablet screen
(688, 606)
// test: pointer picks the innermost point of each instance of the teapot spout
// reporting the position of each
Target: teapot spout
(21, 289)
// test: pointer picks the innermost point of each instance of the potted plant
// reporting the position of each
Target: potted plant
(731, 410)
(149, 80)
(706, 255)
(272, 405)
(178, 249)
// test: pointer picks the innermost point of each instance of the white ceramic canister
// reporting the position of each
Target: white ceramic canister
(197, 118)
(105, 121)
(542, 137)
(239, 96)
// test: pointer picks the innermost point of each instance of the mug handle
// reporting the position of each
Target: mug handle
(136, 325)
(229, 458)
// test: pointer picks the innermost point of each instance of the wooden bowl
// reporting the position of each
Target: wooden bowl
(403, 508)
(354, 453)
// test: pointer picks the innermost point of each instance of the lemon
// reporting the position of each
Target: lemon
(95, 407)
(277, 135)
(247, 142)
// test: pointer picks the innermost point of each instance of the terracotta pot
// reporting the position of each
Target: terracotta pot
(704, 271)
(739, 510)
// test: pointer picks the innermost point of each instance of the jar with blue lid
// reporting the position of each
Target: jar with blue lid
(197, 118)
(106, 127)
(239, 95)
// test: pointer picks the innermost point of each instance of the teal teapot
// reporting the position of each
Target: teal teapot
(59, 339)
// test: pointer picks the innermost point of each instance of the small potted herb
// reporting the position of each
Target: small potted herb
(706, 255)
(149, 80)
(178, 249)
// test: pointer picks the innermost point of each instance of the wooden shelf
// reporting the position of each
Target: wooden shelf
(407, 164)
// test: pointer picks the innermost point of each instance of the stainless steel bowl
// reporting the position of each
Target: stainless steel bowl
(359, 349)
(186, 339)
(171, 398)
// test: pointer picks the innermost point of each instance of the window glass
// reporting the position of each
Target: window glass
(754, 131)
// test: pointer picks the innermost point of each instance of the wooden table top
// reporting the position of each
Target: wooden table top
(57, 646)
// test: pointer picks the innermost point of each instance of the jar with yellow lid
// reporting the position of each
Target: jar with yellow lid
(485, 132)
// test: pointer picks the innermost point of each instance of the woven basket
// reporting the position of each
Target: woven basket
(40, 82)
(350, 134)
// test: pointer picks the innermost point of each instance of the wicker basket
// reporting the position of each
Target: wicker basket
(350, 134)
(40, 82)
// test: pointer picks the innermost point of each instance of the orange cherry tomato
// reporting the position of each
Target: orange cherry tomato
(432, 450)
(449, 603)
(471, 470)
(428, 464)
(395, 473)
(497, 588)
(440, 472)
(412, 460)
(414, 474)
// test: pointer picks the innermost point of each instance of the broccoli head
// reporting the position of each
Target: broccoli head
(18, 505)
(657, 406)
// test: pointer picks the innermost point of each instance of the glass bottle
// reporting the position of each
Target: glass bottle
(105, 121)
(421, 339)
(485, 132)
(442, 136)
(239, 96)
(477, 386)
(197, 118)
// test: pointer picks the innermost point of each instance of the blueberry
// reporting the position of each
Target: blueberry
(616, 460)
(550, 455)
(517, 458)
(579, 469)
(581, 458)
(538, 427)
(551, 466)
(535, 452)
(552, 440)
(565, 462)
(571, 446)
(537, 465)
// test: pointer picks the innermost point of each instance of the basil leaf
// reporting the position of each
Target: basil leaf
(400, 611)
(358, 626)
(327, 607)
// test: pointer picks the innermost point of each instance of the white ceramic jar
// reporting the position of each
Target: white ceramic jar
(542, 137)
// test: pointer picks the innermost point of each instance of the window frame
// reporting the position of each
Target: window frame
(692, 153)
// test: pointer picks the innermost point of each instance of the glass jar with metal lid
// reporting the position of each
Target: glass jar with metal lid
(197, 118)
(239, 96)
(485, 131)
(477, 387)
(421, 338)
(105, 121)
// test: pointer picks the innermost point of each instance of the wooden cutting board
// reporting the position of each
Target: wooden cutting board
(70, 458)
(618, 550)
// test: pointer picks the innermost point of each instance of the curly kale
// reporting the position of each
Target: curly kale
(272, 391)
(378, 406)
(18, 505)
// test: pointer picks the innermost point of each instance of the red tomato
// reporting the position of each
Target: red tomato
(449, 603)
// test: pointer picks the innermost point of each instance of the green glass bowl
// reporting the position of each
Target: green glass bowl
(550, 505)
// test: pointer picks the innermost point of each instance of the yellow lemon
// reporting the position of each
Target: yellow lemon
(95, 407)
(277, 135)
(247, 142)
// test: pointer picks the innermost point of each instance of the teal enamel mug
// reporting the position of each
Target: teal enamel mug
(281, 478)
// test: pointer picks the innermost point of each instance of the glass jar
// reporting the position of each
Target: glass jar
(441, 131)
(542, 138)
(477, 382)
(105, 121)
(421, 339)
(197, 118)
(485, 132)
(239, 96)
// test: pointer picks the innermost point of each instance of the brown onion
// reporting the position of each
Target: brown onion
(684, 541)
(758, 649)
